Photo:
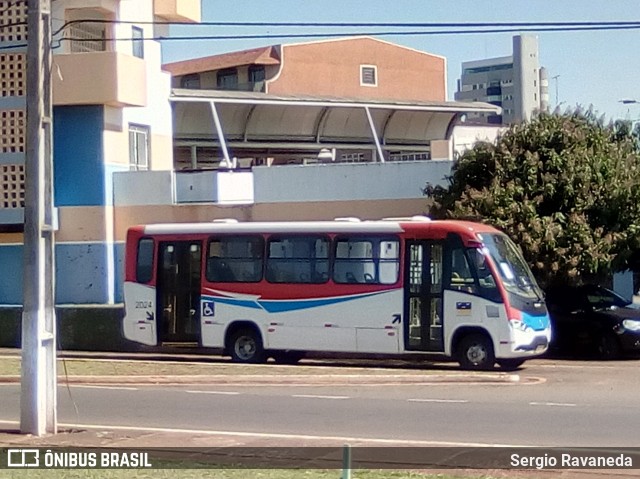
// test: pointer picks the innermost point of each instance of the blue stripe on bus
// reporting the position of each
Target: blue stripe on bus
(536, 322)
(283, 306)
(246, 303)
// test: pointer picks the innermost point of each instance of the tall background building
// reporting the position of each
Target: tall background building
(516, 83)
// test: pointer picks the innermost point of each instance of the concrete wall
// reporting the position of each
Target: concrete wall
(286, 183)
(347, 181)
(223, 187)
(86, 273)
(143, 188)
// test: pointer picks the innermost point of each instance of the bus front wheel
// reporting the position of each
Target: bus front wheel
(475, 352)
(510, 364)
(245, 346)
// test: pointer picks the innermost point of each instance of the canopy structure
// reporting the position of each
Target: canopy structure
(256, 124)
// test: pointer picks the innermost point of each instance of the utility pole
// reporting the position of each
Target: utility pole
(38, 411)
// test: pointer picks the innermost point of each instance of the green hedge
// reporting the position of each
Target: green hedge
(81, 328)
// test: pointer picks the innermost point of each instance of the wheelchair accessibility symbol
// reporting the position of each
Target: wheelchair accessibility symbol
(208, 309)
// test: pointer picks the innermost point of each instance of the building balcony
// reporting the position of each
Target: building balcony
(116, 79)
(178, 10)
(11, 217)
(103, 6)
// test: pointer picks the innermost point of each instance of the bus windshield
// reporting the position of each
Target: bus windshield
(513, 269)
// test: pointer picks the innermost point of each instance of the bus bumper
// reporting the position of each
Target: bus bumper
(525, 347)
(539, 345)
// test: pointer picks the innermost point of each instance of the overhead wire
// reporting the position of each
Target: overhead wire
(347, 34)
(366, 24)
(445, 28)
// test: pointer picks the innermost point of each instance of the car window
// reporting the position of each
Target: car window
(571, 299)
(598, 297)
(565, 300)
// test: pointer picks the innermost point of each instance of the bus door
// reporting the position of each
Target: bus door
(178, 295)
(423, 296)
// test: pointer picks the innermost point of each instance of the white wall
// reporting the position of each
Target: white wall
(350, 181)
(464, 137)
(289, 183)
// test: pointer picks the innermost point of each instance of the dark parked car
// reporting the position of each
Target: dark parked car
(592, 320)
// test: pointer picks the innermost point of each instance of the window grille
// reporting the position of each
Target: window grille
(87, 37)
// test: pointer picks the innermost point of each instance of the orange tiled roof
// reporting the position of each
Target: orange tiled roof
(255, 56)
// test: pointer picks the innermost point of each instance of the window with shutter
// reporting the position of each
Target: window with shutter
(368, 75)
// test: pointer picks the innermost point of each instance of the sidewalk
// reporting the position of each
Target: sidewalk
(206, 445)
(101, 436)
(312, 372)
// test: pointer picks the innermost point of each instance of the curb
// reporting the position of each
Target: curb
(293, 380)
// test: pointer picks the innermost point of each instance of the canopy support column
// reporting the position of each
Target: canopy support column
(223, 144)
(375, 134)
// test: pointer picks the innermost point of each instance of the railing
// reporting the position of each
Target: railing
(87, 38)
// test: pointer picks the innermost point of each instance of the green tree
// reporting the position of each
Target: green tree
(565, 187)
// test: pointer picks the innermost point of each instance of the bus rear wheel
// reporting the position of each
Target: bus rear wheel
(245, 346)
(475, 352)
(287, 357)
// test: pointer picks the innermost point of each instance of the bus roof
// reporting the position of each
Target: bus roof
(418, 226)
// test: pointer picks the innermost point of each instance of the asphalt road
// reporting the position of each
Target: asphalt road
(555, 403)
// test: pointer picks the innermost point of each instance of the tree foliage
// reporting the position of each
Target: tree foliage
(565, 187)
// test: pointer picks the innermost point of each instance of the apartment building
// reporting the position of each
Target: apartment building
(516, 83)
(111, 113)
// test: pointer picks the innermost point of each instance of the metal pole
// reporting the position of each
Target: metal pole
(223, 143)
(38, 413)
(194, 157)
(375, 134)
(346, 462)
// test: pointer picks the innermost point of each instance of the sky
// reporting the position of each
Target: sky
(596, 68)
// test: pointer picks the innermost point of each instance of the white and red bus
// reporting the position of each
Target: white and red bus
(282, 289)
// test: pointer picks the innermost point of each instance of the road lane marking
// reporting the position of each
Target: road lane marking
(559, 404)
(317, 396)
(439, 400)
(222, 393)
(116, 388)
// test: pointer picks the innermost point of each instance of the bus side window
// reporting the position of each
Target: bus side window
(144, 261)
(235, 259)
(484, 273)
(298, 259)
(366, 260)
(461, 276)
(488, 286)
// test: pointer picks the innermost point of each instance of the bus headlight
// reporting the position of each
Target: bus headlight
(631, 325)
(519, 326)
